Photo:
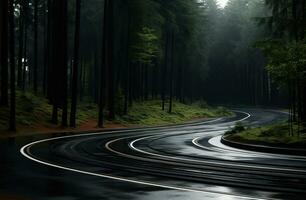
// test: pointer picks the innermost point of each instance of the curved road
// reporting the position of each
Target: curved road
(178, 162)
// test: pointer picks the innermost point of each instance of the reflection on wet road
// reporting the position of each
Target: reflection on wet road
(178, 162)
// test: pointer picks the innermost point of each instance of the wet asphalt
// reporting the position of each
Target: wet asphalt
(178, 162)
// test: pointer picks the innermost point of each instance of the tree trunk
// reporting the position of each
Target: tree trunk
(20, 54)
(12, 65)
(171, 73)
(35, 46)
(127, 71)
(164, 73)
(75, 65)
(4, 53)
(63, 60)
(25, 57)
(104, 65)
(46, 45)
(111, 67)
(81, 79)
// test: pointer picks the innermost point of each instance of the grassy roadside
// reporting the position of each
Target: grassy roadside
(33, 115)
(276, 135)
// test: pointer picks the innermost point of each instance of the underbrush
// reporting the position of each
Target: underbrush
(274, 135)
(34, 112)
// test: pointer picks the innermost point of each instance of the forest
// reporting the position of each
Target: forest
(152, 99)
(118, 53)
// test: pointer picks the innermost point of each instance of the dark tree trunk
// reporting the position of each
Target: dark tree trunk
(164, 73)
(111, 67)
(25, 55)
(127, 89)
(75, 65)
(35, 70)
(53, 77)
(171, 73)
(46, 45)
(131, 84)
(49, 53)
(12, 65)
(4, 53)
(81, 79)
(104, 65)
(63, 60)
(20, 54)
(58, 72)
(127, 62)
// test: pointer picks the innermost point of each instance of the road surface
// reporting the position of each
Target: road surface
(176, 162)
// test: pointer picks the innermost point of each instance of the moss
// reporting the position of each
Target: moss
(34, 111)
(150, 113)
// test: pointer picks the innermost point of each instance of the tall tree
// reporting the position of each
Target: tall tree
(4, 53)
(75, 65)
(64, 59)
(21, 43)
(35, 71)
(171, 73)
(105, 54)
(111, 69)
(287, 24)
(12, 66)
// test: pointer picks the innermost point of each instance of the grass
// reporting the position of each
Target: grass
(273, 135)
(150, 113)
(33, 114)
(34, 111)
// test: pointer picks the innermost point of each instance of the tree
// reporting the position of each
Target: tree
(21, 43)
(105, 56)
(4, 53)
(286, 23)
(58, 93)
(75, 64)
(171, 72)
(35, 81)
(63, 59)
(12, 66)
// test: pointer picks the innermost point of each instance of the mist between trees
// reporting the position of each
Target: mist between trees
(116, 52)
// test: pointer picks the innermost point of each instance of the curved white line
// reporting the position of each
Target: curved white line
(191, 160)
(25, 151)
(243, 119)
(132, 146)
(195, 142)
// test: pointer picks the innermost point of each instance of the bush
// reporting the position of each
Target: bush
(238, 128)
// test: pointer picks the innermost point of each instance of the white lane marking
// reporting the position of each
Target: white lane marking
(107, 146)
(132, 146)
(25, 151)
(243, 119)
(216, 141)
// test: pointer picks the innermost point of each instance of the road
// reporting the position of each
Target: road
(175, 162)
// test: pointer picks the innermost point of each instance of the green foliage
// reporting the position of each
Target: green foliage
(149, 113)
(238, 128)
(286, 60)
(146, 48)
(33, 112)
(277, 134)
